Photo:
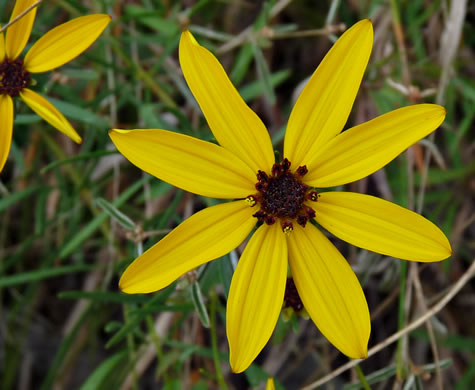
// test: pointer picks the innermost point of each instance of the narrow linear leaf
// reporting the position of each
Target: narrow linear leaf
(116, 214)
(254, 89)
(79, 114)
(100, 374)
(79, 157)
(11, 199)
(104, 296)
(263, 73)
(140, 314)
(198, 301)
(28, 277)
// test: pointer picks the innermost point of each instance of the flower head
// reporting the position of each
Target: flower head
(282, 199)
(55, 48)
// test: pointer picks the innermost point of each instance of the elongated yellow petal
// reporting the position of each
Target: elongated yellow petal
(270, 384)
(6, 128)
(49, 113)
(2, 46)
(362, 150)
(197, 166)
(19, 32)
(256, 295)
(206, 235)
(330, 291)
(65, 42)
(381, 226)
(324, 105)
(233, 123)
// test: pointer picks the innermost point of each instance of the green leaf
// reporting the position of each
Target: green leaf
(83, 156)
(226, 272)
(104, 296)
(153, 20)
(11, 199)
(263, 73)
(198, 301)
(140, 314)
(256, 88)
(100, 374)
(34, 276)
(116, 214)
(72, 111)
(241, 64)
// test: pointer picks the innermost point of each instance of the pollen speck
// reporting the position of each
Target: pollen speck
(251, 200)
(287, 227)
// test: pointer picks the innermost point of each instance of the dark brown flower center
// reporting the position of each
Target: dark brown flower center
(281, 195)
(13, 77)
(292, 297)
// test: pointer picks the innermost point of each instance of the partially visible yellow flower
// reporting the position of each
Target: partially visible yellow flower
(270, 384)
(281, 199)
(55, 48)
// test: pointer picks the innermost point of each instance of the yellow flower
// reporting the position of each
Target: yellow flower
(282, 198)
(53, 49)
(270, 384)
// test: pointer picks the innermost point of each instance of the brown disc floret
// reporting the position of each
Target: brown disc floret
(281, 196)
(13, 77)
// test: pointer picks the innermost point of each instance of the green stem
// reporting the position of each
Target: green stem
(400, 367)
(132, 352)
(214, 343)
(362, 377)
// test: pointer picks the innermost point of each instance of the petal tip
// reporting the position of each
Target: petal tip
(116, 132)
(447, 254)
(368, 22)
(360, 353)
(126, 286)
(237, 368)
(366, 25)
(106, 16)
(364, 354)
(186, 34)
(443, 111)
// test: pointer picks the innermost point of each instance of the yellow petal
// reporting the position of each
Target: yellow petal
(233, 123)
(330, 291)
(270, 384)
(256, 295)
(186, 162)
(2, 46)
(65, 42)
(324, 105)
(49, 113)
(362, 150)
(19, 32)
(206, 235)
(381, 226)
(6, 128)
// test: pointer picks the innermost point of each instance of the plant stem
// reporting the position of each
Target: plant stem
(362, 378)
(214, 343)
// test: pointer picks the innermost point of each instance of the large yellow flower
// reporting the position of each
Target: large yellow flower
(281, 198)
(55, 48)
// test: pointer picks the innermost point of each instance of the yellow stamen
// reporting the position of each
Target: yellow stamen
(251, 201)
